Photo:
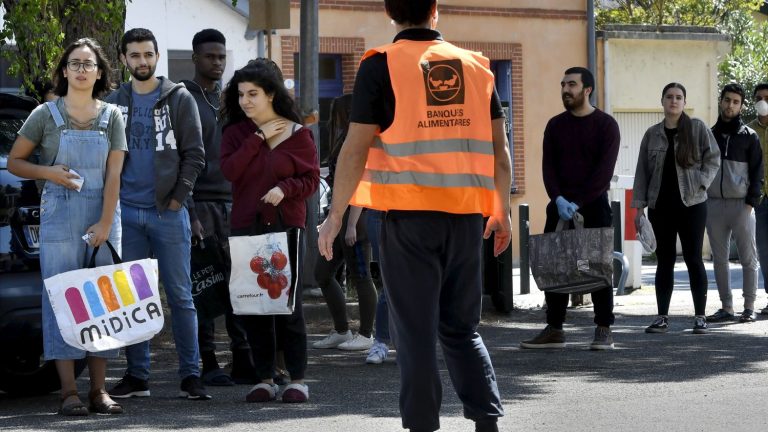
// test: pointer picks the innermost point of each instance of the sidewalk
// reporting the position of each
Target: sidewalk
(643, 299)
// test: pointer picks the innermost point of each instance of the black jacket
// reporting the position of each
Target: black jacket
(741, 167)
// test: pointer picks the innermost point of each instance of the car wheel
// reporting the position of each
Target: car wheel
(25, 373)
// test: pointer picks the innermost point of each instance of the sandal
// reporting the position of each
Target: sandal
(101, 406)
(74, 408)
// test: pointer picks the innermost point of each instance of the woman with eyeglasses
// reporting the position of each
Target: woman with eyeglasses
(81, 141)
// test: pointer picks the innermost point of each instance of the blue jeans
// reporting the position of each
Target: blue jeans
(373, 225)
(761, 236)
(165, 236)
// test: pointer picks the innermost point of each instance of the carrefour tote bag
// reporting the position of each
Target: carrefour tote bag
(575, 261)
(265, 270)
(107, 307)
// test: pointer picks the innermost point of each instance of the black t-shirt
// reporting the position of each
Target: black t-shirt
(669, 191)
(373, 100)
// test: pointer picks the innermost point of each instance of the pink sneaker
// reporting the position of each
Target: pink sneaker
(295, 393)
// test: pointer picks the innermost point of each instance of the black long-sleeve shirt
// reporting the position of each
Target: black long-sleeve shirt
(579, 156)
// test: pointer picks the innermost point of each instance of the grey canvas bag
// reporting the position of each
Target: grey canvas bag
(573, 261)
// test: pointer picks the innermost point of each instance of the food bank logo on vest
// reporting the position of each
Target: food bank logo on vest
(444, 82)
(105, 315)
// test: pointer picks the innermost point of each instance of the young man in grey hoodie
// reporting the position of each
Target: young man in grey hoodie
(165, 156)
(732, 195)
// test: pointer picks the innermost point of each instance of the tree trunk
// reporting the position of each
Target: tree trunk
(79, 23)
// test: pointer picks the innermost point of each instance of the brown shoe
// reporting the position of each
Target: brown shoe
(550, 337)
(103, 405)
(74, 408)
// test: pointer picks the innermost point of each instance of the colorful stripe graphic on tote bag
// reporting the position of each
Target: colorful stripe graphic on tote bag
(102, 300)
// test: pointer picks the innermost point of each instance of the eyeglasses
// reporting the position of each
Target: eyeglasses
(74, 66)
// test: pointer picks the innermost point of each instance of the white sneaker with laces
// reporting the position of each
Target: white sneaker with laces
(378, 353)
(333, 340)
(357, 343)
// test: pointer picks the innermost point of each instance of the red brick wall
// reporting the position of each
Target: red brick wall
(378, 6)
(514, 53)
(350, 48)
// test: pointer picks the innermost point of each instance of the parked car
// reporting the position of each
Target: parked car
(22, 369)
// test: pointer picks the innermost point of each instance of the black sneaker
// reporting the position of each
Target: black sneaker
(721, 315)
(128, 387)
(192, 388)
(700, 325)
(748, 316)
(550, 337)
(659, 325)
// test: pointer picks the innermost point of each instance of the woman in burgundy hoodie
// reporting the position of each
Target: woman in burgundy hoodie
(272, 163)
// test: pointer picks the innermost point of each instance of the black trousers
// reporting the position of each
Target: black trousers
(432, 263)
(289, 332)
(689, 223)
(214, 216)
(597, 214)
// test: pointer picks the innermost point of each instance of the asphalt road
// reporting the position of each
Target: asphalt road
(674, 382)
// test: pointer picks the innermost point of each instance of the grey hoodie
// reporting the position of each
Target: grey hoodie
(180, 157)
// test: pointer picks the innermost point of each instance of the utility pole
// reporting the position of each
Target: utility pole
(309, 43)
(591, 55)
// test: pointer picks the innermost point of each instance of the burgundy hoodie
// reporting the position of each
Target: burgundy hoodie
(254, 169)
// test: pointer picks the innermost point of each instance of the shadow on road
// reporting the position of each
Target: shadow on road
(346, 394)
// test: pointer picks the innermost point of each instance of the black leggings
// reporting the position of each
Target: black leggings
(357, 259)
(689, 223)
(269, 333)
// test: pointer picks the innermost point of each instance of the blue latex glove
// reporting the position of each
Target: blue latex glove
(565, 208)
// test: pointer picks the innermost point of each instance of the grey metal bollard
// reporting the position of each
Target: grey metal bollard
(618, 239)
(525, 279)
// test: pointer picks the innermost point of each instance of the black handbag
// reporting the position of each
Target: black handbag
(210, 274)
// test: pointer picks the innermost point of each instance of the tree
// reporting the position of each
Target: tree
(710, 13)
(747, 63)
(42, 29)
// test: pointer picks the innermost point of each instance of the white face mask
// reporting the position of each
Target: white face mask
(762, 108)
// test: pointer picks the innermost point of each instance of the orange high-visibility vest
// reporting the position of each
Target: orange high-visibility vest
(438, 153)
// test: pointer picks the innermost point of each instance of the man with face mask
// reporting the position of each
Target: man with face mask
(760, 125)
(580, 150)
(731, 197)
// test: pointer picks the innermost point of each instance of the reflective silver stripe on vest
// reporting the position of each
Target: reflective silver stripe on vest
(429, 179)
(435, 146)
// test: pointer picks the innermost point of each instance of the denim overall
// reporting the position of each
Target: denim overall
(66, 214)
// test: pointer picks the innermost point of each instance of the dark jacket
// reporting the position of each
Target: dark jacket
(741, 163)
(211, 184)
(180, 157)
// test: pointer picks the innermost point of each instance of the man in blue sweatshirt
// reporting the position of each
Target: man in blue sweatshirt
(165, 156)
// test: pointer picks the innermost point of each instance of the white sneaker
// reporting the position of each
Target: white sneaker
(357, 343)
(378, 353)
(333, 340)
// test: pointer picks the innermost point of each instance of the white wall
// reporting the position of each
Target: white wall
(175, 22)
